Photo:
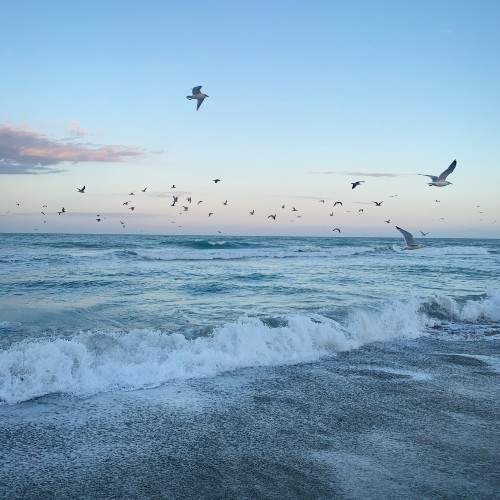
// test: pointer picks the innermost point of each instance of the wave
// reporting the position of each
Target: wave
(93, 362)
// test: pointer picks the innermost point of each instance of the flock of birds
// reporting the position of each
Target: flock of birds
(197, 95)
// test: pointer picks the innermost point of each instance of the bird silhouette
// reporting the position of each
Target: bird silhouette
(356, 184)
(272, 216)
(81, 190)
(198, 95)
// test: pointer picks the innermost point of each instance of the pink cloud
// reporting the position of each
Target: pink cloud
(24, 151)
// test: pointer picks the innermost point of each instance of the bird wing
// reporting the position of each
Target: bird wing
(434, 178)
(407, 236)
(197, 90)
(448, 171)
(199, 103)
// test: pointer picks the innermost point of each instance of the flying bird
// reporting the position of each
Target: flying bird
(210, 214)
(126, 203)
(294, 209)
(185, 208)
(173, 186)
(331, 214)
(272, 216)
(440, 180)
(188, 199)
(282, 206)
(144, 190)
(423, 233)
(216, 181)
(252, 212)
(131, 194)
(388, 221)
(337, 203)
(378, 203)
(81, 190)
(322, 201)
(356, 184)
(360, 210)
(132, 208)
(411, 244)
(201, 201)
(225, 203)
(198, 95)
(336, 229)
(98, 219)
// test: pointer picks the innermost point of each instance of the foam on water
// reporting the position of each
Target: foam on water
(101, 361)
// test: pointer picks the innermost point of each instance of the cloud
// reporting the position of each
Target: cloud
(24, 151)
(76, 130)
(363, 174)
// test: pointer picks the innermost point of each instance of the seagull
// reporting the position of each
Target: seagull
(356, 184)
(188, 199)
(201, 201)
(173, 186)
(225, 203)
(282, 206)
(126, 202)
(81, 190)
(411, 244)
(252, 212)
(175, 198)
(272, 216)
(440, 180)
(294, 209)
(337, 203)
(322, 201)
(360, 210)
(198, 95)
(388, 221)
(331, 214)
(423, 233)
(378, 203)
(18, 204)
(437, 201)
(336, 229)
(132, 208)
(98, 219)
(185, 208)
(131, 194)
(216, 181)
(144, 190)
(210, 214)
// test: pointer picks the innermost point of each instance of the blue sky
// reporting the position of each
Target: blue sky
(295, 89)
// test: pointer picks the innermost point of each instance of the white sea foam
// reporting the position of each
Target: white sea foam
(103, 361)
(487, 309)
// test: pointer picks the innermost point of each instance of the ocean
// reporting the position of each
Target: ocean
(248, 367)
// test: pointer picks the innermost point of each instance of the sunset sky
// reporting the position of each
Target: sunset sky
(305, 97)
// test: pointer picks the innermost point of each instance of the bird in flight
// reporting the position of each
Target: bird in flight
(331, 214)
(282, 206)
(294, 209)
(252, 212)
(272, 216)
(440, 180)
(388, 221)
(210, 214)
(411, 244)
(173, 186)
(356, 184)
(322, 201)
(336, 229)
(98, 219)
(144, 190)
(225, 203)
(216, 181)
(200, 201)
(423, 233)
(81, 190)
(185, 208)
(198, 95)
(131, 194)
(337, 203)
(360, 210)
(378, 203)
(126, 203)
(132, 208)
(188, 199)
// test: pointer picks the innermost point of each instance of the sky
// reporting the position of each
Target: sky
(304, 98)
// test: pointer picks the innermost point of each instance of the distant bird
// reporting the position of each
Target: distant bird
(220, 232)
(63, 210)
(210, 214)
(423, 233)
(132, 208)
(272, 216)
(356, 184)
(126, 202)
(175, 199)
(216, 181)
(185, 208)
(131, 194)
(98, 219)
(44, 206)
(322, 201)
(200, 201)
(188, 199)
(173, 186)
(388, 221)
(225, 203)
(43, 213)
(198, 95)
(81, 190)
(252, 212)
(18, 204)
(440, 180)
(294, 209)
(411, 244)
(336, 229)
(122, 223)
(337, 203)
(393, 196)
(378, 203)
(331, 214)
(360, 210)
(282, 206)
(437, 201)
(144, 190)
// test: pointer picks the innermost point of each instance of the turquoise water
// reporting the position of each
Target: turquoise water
(326, 356)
